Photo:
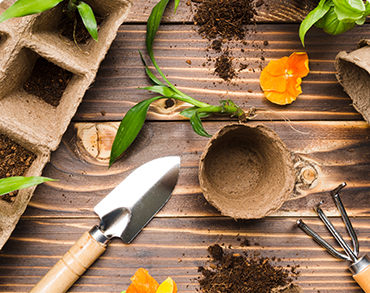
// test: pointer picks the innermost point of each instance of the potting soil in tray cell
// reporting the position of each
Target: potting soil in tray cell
(15, 160)
(47, 81)
(18, 157)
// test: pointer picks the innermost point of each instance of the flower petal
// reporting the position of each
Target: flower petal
(292, 91)
(294, 86)
(280, 98)
(142, 282)
(277, 67)
(269, 82)
(298, 64)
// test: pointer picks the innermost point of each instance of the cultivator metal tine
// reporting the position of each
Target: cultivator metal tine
(347, 222)
(321, 241)
(335, 233)
(351, 255)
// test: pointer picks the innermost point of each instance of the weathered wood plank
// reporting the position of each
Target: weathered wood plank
(176, 247)
(116, 88)
(339, 151)
(270, 11)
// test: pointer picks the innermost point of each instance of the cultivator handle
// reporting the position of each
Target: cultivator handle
(361, 273)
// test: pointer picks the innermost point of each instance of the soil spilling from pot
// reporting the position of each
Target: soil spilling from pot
(15, 160)
(47, 81)
(224, 22)
(242, 273)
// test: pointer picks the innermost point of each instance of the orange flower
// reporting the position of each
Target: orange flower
(142, 282)
(281, 79)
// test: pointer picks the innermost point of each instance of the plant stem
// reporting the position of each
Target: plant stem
(72, 5)
(221, 109)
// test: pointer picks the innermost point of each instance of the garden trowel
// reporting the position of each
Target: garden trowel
(124, 212)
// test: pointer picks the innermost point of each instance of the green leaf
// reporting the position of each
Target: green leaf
(362, 20)
(152, 77)
(27, 7)
(129, 128)
(315, 15)
(191, 111)
(161, 89)
(367, 9)
(331, 25)
(88, 18)
(196, 123)
(349, 10)
(153, 23)
(177, 2)
(152, 26)
(18, 182)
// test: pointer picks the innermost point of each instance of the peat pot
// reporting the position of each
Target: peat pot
(354, 75)
(246, 172)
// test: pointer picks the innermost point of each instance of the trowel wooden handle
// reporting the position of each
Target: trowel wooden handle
(363, 279)
(71, 266)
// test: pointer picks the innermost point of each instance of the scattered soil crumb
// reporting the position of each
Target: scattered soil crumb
(47, 81)
(224, 66)
(225, 22)
(242, 273)
(15, 160)
(216, 45)
(259, 3)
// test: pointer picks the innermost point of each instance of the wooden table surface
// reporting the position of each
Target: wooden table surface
(324, 129)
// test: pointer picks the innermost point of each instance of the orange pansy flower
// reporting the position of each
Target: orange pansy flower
(281, 79)
(142, 282)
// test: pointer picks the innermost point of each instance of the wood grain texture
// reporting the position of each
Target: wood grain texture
(339, 151)
(176, 247)
(118, 82)
(270, 11)
(325, 132)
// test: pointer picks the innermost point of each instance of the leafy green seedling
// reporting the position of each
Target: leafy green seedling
(335, 16)
(27, 7)
(134, 119)
(18, 182)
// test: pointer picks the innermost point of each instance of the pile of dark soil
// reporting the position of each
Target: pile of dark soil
(224, 18)
(47, 81)
(15, 160)
(224, 21)
(233, 272)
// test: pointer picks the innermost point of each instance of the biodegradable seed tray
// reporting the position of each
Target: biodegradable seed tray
(27, 119)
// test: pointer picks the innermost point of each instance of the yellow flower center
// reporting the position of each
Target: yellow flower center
(288, 73)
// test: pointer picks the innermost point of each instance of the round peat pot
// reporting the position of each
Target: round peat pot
(246, 172)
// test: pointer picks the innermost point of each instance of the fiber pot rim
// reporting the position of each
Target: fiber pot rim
(226, 190)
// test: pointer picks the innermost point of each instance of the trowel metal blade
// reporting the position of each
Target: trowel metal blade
(127, 209)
